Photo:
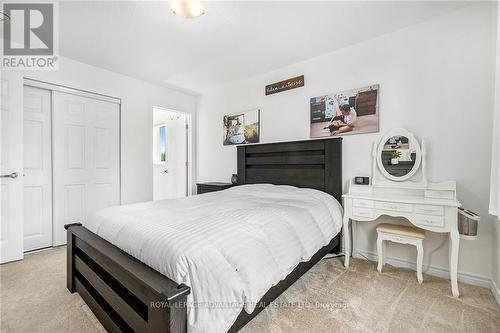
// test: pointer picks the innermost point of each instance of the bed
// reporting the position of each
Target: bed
(112, 266)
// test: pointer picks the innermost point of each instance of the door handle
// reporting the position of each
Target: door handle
(166, 170)
(13, 175)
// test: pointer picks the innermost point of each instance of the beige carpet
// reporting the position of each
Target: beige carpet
(328, 298)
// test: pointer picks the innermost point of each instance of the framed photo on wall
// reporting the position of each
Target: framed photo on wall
(347, 112)
(241, 128)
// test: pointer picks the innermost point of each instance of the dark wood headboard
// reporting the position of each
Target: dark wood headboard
(313, 164)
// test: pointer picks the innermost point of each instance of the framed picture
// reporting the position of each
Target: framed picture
(242, 128)
(352, 111)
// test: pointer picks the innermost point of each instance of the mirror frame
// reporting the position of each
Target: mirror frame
(418, 154)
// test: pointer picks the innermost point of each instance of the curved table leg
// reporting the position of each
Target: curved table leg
(354, 231)
(380, 253)
(420, 259)
(454, 242)
(347, 241)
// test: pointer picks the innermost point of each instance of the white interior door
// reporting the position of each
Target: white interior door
(37, 193)
(170, 154)
(11, 165)
(86, 158)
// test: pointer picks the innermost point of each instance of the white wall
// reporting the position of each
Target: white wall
(138, 98)
(436, 80)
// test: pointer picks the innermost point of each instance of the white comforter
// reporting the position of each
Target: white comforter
(230, 246)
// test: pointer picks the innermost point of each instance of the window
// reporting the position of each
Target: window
(160, 144)
(163, 143)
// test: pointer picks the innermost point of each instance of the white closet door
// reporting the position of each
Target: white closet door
(11, 164)
(37, 194)
(86, 159)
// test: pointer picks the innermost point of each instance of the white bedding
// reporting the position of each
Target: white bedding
(229, 246)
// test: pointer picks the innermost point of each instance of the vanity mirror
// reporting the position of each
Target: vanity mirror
(398, 155)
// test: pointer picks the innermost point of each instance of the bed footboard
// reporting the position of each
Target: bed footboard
(124, 294)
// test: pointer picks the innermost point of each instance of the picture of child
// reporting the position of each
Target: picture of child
(349, 112)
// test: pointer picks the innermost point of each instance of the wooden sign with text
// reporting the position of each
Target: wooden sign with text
(285, 85)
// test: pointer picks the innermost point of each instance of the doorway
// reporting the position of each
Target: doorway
(170, 154)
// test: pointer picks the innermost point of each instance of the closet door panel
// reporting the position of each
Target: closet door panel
(86, 159)
(106, 156)
(37, 169)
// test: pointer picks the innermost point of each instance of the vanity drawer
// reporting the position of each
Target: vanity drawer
(394, 206)
(362, 212)
(429, 209)
(439, 194)
(362, 203)
(429, 220)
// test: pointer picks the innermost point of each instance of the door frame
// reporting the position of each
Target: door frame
(189, 144)
(82, 93)
(74, 91)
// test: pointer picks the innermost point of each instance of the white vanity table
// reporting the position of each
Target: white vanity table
(430, 206)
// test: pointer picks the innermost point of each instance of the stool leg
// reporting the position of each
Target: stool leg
(384, 252)
(380, 253)
(420, 258)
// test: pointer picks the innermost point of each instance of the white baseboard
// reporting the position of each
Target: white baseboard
(473, 279)
(496, 291)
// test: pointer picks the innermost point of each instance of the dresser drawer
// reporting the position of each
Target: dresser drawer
(429, 220)
(362, 203)
(394, 206)
(429, 210)
(211, 187)
(362, 212)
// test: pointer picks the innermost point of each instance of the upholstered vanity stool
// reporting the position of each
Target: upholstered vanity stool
(403, 235)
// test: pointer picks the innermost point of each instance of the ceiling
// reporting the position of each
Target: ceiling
(232, 41)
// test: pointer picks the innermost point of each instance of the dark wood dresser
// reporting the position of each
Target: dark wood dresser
(212, 187)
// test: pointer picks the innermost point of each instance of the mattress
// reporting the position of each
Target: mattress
(229, 246)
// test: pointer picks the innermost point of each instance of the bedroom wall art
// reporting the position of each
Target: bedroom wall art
(352, 111)
(294, 82)
(242, 128)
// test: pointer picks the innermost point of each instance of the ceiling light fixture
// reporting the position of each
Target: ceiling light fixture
(4, 16)
(187, 8)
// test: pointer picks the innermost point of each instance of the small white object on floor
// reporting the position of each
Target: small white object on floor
(403, 235)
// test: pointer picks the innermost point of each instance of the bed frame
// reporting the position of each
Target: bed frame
(129, 296)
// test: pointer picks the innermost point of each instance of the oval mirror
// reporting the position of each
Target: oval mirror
(398, 155)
